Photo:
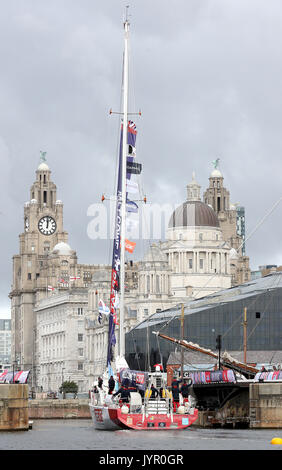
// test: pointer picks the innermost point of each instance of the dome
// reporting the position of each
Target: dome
(62, 249)
(216, 173)
(43, 167)
(193, 214)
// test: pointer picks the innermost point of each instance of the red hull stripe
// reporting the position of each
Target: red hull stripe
(152, 422)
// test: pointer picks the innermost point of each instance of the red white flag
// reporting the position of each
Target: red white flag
(74, 278)
(51, 288)
(129, 246)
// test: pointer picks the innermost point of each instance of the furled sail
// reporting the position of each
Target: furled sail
(116, 260)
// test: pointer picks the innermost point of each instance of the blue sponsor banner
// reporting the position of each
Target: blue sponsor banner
(115, 278)
(134, 378)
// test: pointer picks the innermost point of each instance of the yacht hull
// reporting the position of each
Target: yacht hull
(101, 417)
(109, 418)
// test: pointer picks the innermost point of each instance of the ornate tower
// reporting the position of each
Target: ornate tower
(218, 197)
(43, 229)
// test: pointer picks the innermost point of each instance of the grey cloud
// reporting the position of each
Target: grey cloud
(206, 75)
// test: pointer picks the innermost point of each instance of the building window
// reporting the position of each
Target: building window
(190, 261)
(200, 237)
(29, 276)
(80, 366)
(80, 351)
(201, 263)
(257, 314)
(80, 337)
(80, 311)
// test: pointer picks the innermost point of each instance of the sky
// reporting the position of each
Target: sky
(206, 75)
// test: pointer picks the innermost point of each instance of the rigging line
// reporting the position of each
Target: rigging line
(112, 212)
(262, 220)
(160, 354)
(244, 242)
(250, 305)
(239, 318)
(150, 243)
(136, 353)
(268, 303)
(274, 354)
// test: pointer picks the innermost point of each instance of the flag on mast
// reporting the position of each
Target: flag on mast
(129, 246)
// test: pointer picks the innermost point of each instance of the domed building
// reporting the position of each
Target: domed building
(195, 249)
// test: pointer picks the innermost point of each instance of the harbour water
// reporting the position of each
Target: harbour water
(79, 434)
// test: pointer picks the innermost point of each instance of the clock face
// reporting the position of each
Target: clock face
(47, 225)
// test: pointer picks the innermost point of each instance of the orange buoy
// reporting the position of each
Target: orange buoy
(276, 440)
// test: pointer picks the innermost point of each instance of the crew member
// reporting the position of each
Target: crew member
(100, 382)
(124, 394)
(185, 388)
(175, 389)
(154, 392)
(111, 384)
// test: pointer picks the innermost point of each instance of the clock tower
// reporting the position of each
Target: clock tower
(42, 231)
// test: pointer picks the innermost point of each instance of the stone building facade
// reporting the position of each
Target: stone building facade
(60, 347)
(45, 261)
(201, 254)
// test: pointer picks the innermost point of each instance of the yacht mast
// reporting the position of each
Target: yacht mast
(123, 194)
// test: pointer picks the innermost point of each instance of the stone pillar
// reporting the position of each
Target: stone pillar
(13, 407)
(265, 406)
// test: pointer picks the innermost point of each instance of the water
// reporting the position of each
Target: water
(79, 434)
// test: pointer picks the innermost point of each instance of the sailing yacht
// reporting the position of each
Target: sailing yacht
(141, 411)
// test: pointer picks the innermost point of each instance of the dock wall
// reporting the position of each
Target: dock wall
(257, 406)
(56, 409)
(265, 405)
(14, 413)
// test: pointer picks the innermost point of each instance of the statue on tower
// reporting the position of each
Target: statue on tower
(215, 163)
(42, 156)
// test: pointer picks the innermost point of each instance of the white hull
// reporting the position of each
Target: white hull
(101, 419)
